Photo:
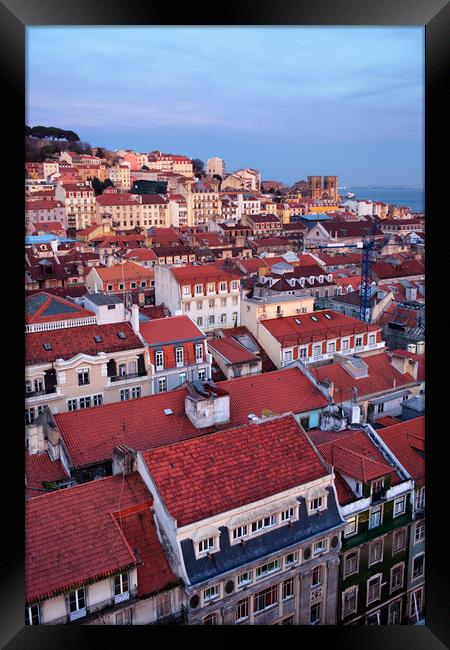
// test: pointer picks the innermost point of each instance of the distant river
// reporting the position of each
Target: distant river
(412, 198)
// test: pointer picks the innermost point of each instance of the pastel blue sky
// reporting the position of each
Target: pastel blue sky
(290, 101)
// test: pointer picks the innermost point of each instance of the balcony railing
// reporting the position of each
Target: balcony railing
(108, 606)
(129, 375)
(38, 393)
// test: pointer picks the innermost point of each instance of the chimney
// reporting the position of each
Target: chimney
(135, 318)
(206, 404)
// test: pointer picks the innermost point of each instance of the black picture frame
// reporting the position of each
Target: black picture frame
(15, 16)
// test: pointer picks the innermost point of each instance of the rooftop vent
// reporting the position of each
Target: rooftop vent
(299, 322)
(98, 338)
(121, 335)
(327, 316)
(48, 346)
(168, 412)
(314, 318)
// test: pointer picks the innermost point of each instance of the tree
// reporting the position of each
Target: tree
(100, 186)
(198, 166)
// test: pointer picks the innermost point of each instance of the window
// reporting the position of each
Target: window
(316, 578)
(223, 302)
(288, 514)
(420, 499)
(265, 599)
(395, 613)
(223, 318)
(85, 402)
(211, 619)
(242, 609)
(135, 392)
(398, 541)
(397, 576)
(316, 503)
(121, 584)
(351, 562)
(234, 285)
(263, 523)
(109, 287)
(290, 559)
(181, 378)
(124, 394)
(206, 545)
(288, 588)
(211, 304)
(374, 589)
(199, 321)
(358, 341)
(349, 601)
(83, 377)
(314, 617)
(186, 291)
(289, 620)
(245, 578)
(371, 339)
(164, 605)
(345, 345)
(123, 618)
(418, 566)
(288, 355)
(264, 570)
(320, 547)
(121, 286)
(199, 304)
(198, 288)
(159, 359)
(303, 352)
(211, 319)
(32, 615)
(223, 286)
(77, 603)
(332, 347)
(187, 306)
(376, 552)
(199, 353)
(211, 593)
(419, 534)
(162, 384)
(416, 604)
(375, 517)
(211, 287)
(201, 374)
(240, 531)
(179, 356)
(143, 283)
(29, 416)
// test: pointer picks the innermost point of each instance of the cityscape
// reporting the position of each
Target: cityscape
(224, 372)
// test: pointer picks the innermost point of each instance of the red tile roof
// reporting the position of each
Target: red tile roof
(203, 273)
(200, 478)
(381, 376)
(354, 454)
(90, 434)
(169, 330)
(231, 350)
(384, 270)
(127, 271)
(71, 536)
(141, 254)
(292, 329)
(343, 490)
(406, 441)
(67, 343)
(39, 469)
(387, 421)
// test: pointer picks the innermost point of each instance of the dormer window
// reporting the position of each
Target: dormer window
(320, 547)
(316, 503)
(206, 545)
(198, 288)
(240, 532)
(288, 514)
(266, 522)
(186, 291)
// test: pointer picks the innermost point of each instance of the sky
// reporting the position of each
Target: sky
(289, 101)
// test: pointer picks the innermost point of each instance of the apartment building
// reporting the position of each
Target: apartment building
(177, 352)
(215, 166)
(406, 441)
(120, 278)
(203, 202)
(120, 175)
(92, 556)
(209, 294)
(44, 210)
(375, 497)
(79, 202)
(80, 357)
(314, 337)
(266, 553)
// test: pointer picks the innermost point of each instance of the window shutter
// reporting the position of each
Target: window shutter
(111, 368)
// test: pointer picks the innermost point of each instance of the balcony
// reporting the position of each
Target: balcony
(127, 376)
(86, 614)
(39, 393)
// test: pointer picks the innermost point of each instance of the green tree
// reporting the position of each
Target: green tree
(198, 166)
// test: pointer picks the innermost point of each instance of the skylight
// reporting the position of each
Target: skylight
(299, 322)
(314, 318)
(327, 316)
(48, 346)
(98, 338)
(121, 335)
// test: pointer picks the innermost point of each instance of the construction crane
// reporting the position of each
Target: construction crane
(366, 248)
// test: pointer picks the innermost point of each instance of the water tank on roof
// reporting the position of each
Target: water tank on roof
(412, 348)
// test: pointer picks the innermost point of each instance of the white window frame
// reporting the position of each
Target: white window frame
(263, 570)
(179, 356)
(378, 577)
(242, 582)
(356, 570)
(293, 562)
(419, 498)
(198, 289)
(319, 569)
(289, 514)
(246, 605)
(420, 526)
(345, 344)
(380, 507)
(211, 593)
(29, 616)
(239, 533)
(162, 381)
(372, 339)
(400, 586)
(376, 542)
(399, 500)
(396, 535)
(412, 566)
(318, 550)
(204, 546)
(199, 353)
(186, 290)
(79, 612)
(354, 588)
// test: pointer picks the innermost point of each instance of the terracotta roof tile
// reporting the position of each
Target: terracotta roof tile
(168, 330)
(231, 350)
(230, 468)
(406, 440)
